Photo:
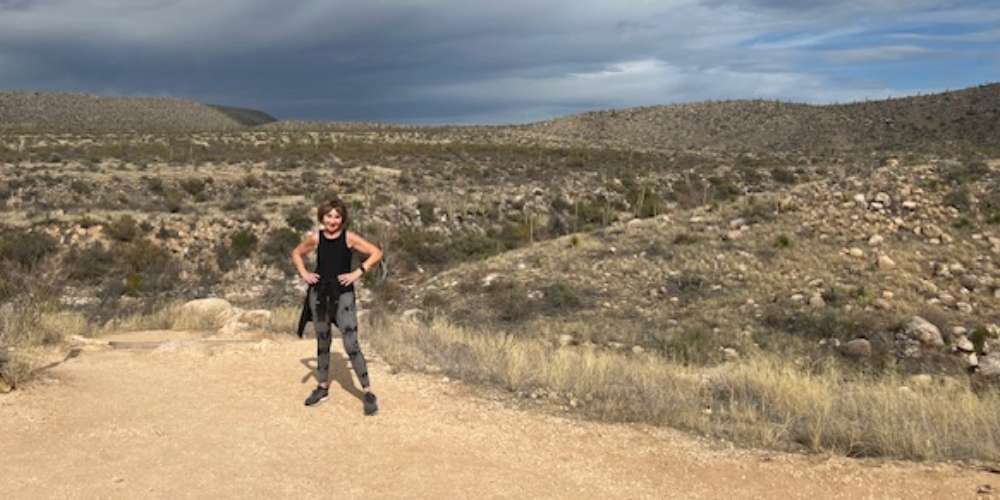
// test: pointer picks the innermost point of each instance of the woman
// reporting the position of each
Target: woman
(331, 286)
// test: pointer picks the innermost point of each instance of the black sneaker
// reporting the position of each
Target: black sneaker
(371, 404)
(319, 394)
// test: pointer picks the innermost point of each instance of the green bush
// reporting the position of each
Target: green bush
(241, 245)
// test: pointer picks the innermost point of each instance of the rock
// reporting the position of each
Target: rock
(86, 344)
(969, 281)
(964, 307)
(637, 349)
(856, 252)
(857, 348)
(730, 354)
(996, 293)
(947, 299)
(883, 198)
(798, 298)
(924, 331)
(989, 365)
(910, 205)
(413, 314)
(882, 304)
(884, 262)
(962, 343)
(256, 318)
(817, 301)
(970, 360)
(920, 380)
(220, 310)
(932, 231)
(489, 279)
(566, 339)
(859, 199)
(733, 235)
(875, 240)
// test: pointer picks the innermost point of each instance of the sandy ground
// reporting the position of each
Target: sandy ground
(197, 420)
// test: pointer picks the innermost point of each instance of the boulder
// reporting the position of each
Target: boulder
(857, 348)
(219, 310)
(924, 331)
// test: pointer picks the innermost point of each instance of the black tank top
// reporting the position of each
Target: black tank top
(333, 258)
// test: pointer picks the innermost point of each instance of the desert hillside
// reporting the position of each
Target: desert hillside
(723, 250)
(948, 121)
(51, 112)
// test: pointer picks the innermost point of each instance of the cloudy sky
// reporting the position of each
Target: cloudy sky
(462, 61)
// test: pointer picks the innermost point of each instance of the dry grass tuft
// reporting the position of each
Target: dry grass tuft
(762, 402)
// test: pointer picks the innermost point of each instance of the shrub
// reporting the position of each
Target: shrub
(89, 264)
(123, 228)
(426, 210)
(560, 297)
(277, 247)
(299, 220)
(241, 245)
(25, 248)
(194, 186)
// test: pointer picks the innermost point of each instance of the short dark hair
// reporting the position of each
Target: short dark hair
(332, 204)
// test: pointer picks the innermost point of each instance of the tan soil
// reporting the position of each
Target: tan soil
(196, 420)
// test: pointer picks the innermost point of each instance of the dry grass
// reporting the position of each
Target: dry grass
(761, 402)
(164, 318)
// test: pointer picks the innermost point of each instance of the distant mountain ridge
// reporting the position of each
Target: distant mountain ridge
(964, 117)
(48, 112)
(954, 121)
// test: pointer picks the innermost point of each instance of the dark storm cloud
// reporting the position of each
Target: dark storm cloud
(436, 60)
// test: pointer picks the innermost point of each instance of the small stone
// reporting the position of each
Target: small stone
(924, 331)
(637, 349)
(856, 252)
(798, 298)
(921, 380)
(857, 348)
(910, 205)
(969, 281)
(887, 295)
(989, 365)
(884, 262)
(817, 301)
(875, 240)
(566, 339)
(970, 360)
(964, 307)
(959, 330)
(962, 343)
(882, 304)
(947, 299)
(859, 199)
(730, 354)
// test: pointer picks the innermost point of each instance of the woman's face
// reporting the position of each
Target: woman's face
(332, 221)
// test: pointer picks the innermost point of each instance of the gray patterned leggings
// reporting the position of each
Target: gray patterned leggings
(347, 322)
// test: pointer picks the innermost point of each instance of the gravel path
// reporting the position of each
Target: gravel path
(192, 419)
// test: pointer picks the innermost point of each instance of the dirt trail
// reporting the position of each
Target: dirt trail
(196, 420)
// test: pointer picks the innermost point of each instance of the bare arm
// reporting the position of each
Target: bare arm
(308, 244)
(374, 253)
